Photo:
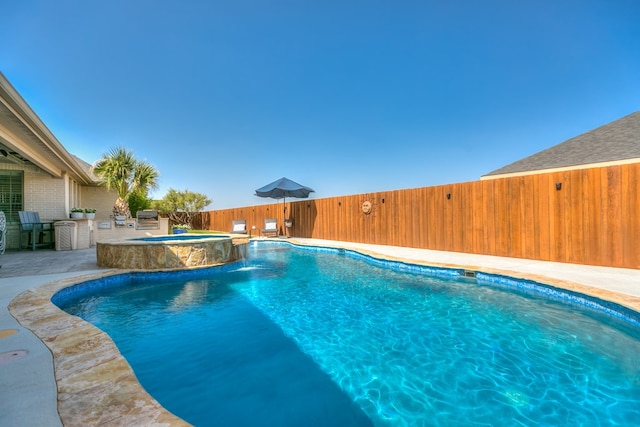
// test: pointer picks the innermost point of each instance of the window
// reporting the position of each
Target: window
(11, 194)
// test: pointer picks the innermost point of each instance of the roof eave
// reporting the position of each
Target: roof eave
(12, 100)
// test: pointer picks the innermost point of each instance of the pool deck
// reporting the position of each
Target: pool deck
(28, 396)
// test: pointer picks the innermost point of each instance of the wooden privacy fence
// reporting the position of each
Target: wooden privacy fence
(587, 216)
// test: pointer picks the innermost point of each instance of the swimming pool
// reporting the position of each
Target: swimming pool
(325, 337)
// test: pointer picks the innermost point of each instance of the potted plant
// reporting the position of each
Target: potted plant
(89, 213)
(180, 228)
(77, 213)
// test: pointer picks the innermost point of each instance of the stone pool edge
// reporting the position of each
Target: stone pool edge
(95, 383)
(97, 386)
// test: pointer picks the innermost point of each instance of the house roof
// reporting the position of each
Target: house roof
(24, 138)
(615, 142)
(87, 167)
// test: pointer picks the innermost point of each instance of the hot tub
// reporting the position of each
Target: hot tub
(171, 251)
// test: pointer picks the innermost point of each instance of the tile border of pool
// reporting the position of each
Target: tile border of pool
(97, 386)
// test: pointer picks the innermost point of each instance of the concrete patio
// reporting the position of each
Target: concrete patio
(28, 393)
(46, 261)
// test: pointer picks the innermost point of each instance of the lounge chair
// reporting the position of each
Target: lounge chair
(270, 227)
(239, 226)
(39, 234)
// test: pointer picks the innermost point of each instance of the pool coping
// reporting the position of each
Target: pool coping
(95, 383)
(97, 386)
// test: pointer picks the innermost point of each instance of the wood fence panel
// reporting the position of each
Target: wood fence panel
(593, 227)
(324, 210)
(449, 214)
(429, 220)
(556, 223)
(613, 215)
(438, 224)
(412, 214)
(489, 217)
(476, 208)
(418, 217)
(457, 215)
(386, 227)
(333, 222)
(631, 215)
(566, 215)
(461, 219)
(394, 217)
(468, 239)
(529, 225)
(345, 210)
(514, 215)
(359, 219)
(537, 211)
(544, 216)
(575, 217)
(501, 222)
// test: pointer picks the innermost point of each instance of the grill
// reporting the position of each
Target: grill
(147, 220)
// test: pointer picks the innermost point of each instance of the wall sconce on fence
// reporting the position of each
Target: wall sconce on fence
(558, 186)
(448, 196)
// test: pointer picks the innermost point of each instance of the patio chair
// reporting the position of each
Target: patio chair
(239, 226)
(270, 227)
(39, 233)
(3, 232)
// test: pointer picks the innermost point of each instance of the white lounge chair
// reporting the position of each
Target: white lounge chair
(239, 226)
(270, 227)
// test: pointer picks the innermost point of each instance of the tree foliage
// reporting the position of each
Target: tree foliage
(138, 202)
(181, 206)
(121, 171)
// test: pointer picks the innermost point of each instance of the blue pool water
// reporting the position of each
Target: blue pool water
(296, 337)
(180, 237)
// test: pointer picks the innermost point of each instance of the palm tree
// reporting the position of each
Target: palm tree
(119, 170)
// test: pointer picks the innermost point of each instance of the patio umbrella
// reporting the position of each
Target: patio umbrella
(283, 188)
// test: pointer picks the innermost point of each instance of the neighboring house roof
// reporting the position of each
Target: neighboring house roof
(616, 142)
(25, 138)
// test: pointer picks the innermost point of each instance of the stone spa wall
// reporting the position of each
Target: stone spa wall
(171, 253)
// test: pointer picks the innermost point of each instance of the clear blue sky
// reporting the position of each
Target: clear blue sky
(346, 96)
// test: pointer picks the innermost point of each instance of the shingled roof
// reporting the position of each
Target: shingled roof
(618, 141)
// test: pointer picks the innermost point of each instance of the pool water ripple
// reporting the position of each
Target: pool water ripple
(384, 347)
